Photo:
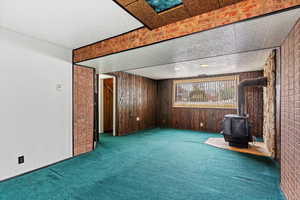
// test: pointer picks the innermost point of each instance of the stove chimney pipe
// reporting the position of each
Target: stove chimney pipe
(257, 82)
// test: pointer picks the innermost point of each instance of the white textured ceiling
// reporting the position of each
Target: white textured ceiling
(256, 34)
(68, 23)
(242, 62)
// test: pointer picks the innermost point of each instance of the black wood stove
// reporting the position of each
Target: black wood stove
(236, 128)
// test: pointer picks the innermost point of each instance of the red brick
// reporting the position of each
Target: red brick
(290, 113)
(83, 109)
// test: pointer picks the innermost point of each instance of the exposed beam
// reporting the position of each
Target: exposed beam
(142, 37)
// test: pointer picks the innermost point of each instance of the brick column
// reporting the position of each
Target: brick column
(83, 112)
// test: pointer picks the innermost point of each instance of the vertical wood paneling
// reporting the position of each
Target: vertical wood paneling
(151, 101)
(136, 97)
(190, 118)
(108, 104)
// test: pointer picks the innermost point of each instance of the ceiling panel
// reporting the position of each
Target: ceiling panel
(260, 33)
(134, 58)
(266, 31)
(242, 62)
(70, 24)
(205, 44)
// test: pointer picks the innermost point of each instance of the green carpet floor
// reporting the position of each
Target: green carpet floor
(158, 164)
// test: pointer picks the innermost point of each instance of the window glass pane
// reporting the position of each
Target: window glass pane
(208, 92)
(162, 5)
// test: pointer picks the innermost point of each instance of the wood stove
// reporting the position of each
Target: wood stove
(237, 128)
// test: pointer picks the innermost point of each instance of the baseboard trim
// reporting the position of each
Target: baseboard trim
(22, 174)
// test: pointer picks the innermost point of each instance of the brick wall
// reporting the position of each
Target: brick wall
(83, 113)
(290, 114)
(240, 11)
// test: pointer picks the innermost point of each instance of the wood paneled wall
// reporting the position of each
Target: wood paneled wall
(108, 103)
(136, 98)
(151, 102)
(190, 118)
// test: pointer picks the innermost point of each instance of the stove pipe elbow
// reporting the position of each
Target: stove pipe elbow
(257, 82)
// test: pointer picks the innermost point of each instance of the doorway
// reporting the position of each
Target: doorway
(107, 104)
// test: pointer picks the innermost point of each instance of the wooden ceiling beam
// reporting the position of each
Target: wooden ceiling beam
(146, 14)
(196, 7)
(141, 37)
(151, 19)
(224, 3)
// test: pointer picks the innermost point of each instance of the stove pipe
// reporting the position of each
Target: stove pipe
(257, 82)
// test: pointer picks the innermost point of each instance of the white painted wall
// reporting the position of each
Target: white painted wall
(35, 118)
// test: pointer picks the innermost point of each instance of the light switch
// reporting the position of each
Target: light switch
(59, 87)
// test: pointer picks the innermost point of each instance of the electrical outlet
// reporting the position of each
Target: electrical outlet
(21, 159)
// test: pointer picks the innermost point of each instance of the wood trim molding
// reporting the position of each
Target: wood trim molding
(189, 8)
(204, 105)
(224, 106)
(217, 78)
(142, 37)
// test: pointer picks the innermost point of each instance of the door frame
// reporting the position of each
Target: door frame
(96, 108)
(101, 105)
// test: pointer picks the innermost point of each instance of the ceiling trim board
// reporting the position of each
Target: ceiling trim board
(73, 57)
(244, 20)
(128, 2)
(193, 77)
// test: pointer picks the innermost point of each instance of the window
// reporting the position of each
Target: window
(216, 92)
(162, 5)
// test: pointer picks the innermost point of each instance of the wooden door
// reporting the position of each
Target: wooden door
(108, 105)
